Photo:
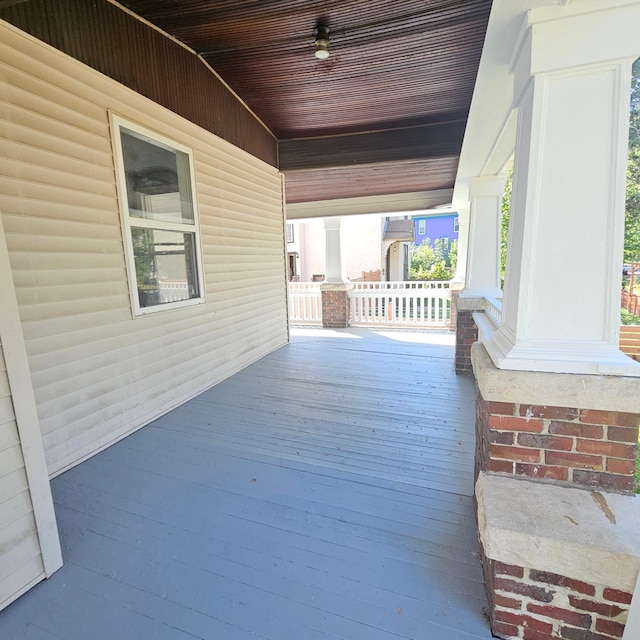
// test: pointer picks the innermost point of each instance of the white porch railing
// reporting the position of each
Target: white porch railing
(305, 303)
(414, 303)
(494, 310)
(489, 317)
(173, 290)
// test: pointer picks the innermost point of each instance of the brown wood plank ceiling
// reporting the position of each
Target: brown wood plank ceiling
(393, 95)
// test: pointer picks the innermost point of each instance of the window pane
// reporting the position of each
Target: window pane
(165, 266)
(158, 182)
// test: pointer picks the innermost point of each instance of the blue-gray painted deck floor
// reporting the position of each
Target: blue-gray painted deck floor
(324, 492)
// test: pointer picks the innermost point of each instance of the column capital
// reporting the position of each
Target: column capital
(332, 223)
(573, 35)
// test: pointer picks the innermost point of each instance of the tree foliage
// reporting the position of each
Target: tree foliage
(433, 263)
(632, 219)
(504, 224)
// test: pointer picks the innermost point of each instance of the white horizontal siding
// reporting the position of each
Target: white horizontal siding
(20, 555)
(97, 372)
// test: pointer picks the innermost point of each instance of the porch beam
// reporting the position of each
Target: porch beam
(396, 178)
(408, 143)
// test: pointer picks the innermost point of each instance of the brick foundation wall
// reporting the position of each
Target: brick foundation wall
(335, 309)
(466, 335)
(528, 604)
(580, 446)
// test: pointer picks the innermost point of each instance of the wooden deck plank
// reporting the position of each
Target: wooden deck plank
(324, 492)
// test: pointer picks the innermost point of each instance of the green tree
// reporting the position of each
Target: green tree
(504, 224)
(453, 255)
(421, 259)
(433, 263)
(632, 218)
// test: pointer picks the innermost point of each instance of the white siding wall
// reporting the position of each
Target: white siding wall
(21, 562)
(97, 372)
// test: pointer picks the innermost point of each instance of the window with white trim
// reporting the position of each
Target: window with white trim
(160, 219)
(456, 225)
(422, 227)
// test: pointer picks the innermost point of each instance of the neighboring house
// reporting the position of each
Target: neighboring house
(397, 238)
(441, 227)
(360, 238)
(293, 251)
(373, 247)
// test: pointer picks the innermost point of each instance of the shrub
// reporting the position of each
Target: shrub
(433, 263)
(628, 318)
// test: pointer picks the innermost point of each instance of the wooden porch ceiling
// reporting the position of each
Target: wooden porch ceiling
(385, 113)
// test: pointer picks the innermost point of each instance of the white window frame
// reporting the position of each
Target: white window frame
(290, 233)
(422, 224)
(129, 222)
(456, 225)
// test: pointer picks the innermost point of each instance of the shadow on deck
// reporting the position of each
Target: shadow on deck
(324, 492)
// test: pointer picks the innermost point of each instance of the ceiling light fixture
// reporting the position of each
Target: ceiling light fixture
(322, 42)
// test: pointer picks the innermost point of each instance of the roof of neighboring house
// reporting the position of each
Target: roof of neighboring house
(434, 216)
(399, 230)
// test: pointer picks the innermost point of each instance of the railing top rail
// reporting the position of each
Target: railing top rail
(304, 286)
(493, 310)
(401, 284)
(494, 302)
(380, 285)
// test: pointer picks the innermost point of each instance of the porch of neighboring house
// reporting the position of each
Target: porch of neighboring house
(323, 492)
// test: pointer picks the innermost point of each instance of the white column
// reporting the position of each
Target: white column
(463, 243)
(483, 252)
(334, 265)
(562, 288)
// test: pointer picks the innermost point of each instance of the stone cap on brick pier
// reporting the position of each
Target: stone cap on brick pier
(583, 534)
(586, 391)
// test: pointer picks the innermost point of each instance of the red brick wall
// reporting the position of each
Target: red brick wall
(466, 335)
(581, 446)
(335, 309)
(529, 604)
